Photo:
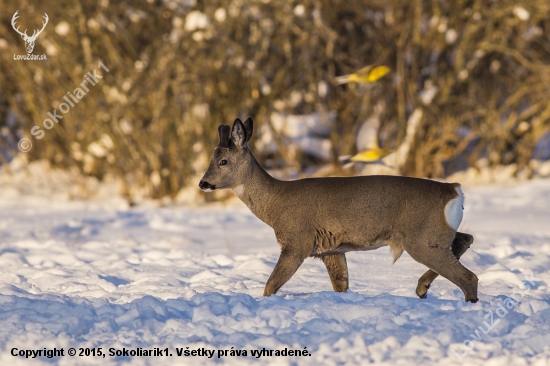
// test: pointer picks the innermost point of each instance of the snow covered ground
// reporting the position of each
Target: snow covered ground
(96, 275)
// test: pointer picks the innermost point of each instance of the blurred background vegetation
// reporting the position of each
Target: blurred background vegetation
(478, 70)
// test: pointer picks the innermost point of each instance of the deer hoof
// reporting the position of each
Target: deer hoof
(422, 291)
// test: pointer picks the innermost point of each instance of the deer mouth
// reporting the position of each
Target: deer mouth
(207, 187)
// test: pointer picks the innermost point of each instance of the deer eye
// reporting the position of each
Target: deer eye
(223, 162)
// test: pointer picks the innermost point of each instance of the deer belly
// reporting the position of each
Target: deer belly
(329, 242)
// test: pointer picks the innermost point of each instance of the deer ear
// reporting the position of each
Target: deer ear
(223, 134)
(238, 134)
(249, 127)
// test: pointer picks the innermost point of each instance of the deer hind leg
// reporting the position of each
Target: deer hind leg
(461, 243)
(337, 268)
(441, 260)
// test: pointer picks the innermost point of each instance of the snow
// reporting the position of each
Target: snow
(90, 274)
(309, 133)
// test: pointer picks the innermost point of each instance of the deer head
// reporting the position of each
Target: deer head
(231, 160)
(29, 41)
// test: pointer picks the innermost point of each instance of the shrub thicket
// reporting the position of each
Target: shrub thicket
(478, 70)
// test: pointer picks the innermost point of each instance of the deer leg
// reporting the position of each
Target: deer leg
(286, 266)
(461, 243)
(337, 270)
(440, 259)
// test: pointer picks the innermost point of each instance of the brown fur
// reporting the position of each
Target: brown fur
(327, 217)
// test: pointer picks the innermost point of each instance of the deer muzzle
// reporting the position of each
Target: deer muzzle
(207, 187)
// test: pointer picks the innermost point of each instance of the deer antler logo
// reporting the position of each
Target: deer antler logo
(29, 41)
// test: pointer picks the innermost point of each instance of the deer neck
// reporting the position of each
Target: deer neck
(258, 191)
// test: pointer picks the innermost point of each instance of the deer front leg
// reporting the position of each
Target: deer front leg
(461, 243)
(286, 266)
(337, 270)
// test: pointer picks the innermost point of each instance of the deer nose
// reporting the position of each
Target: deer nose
(205, 186)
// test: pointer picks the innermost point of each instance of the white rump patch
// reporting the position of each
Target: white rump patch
(239, 190)
(453, 210)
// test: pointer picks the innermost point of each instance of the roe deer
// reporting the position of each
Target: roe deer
(327, 217)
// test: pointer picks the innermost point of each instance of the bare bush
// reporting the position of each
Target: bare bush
(177, 69)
